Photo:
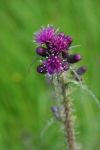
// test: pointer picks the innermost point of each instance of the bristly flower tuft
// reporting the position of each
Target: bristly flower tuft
(54, 65)
(45, 35)
(60, 43)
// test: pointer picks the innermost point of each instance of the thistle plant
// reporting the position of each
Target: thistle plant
(55, 51)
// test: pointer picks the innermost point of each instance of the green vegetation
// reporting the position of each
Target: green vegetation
(25, 96)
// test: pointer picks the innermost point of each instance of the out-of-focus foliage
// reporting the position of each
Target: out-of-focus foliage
(25, 98)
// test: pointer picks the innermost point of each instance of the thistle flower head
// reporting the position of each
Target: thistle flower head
(45, 35)
(54, 47)
(54, 64)
(60, 43)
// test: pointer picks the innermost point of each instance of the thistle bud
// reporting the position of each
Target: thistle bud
(80, 71)
(41, 69)
(73, 58)
(41, 51)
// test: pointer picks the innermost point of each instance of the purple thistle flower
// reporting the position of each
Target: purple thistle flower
(54, 64)
(60, 43)
(45, 35)
(67, 38)
(54, 46)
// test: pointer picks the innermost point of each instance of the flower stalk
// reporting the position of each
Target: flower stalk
(54, 48)
(61, 88)
(68, 119)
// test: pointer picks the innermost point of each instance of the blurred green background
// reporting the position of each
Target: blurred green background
(25, 96)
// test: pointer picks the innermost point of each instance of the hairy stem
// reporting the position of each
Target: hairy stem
(68, 120)
(61, 91)
(69, 125)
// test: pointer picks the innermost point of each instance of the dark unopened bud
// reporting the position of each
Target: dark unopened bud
(41, 51)
(80, 71)
(74, 58)
(41, 69)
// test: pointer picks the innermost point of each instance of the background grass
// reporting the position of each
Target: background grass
(24, 97)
